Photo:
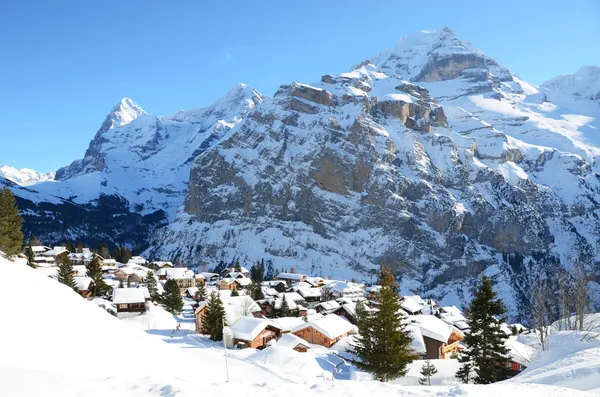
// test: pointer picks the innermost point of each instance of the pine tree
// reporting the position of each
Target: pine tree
(234, 292)
(270, 272)
(33, 241)
(285, 308)
(94, 271)
(214, 317)
(382, 346)
(79, 247)
(255, 292)
(121, 284)
(427, 371)
(11, 236)
(237, 267)
(30, 256)
(172, 299)
(65, 273)
(103, 251)
(152, 286)
(201, 292)
(486, 349)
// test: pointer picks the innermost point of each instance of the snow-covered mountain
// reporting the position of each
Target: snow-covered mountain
(24, 176)
(430, 156)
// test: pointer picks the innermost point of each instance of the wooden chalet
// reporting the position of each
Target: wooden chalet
(254, 332)
(325, 331)
(129, 301)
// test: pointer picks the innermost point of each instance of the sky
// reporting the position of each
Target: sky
(64, 65)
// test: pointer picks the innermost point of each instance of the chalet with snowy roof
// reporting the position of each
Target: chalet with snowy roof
(109, 262)
(129, 301)
(185, 278)
(519, 355)
(138, 260)
(348, 311)
(290, 278)
(453, 316)
(130, 274)
(439, 339)
(411, 306)
(163, 265)
(328, 307)
(234, 283)
(209, 277)
(277, 285)
(254, 332)
(84, 286)
(343, 289)
(315, 282)
(293, 342)
(231, 269)
(310, 294)
(81, 258)
(325, 331)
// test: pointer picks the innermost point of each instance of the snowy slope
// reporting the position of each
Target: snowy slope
(62, 345)
(25, 176)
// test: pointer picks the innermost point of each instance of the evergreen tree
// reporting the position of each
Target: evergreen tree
(382, 346)
(201, 292)
(234, 292)
(30, 256)
(172, 299)
(285, 308)
(65, 273)
(11, 236)
(121, 284)
(270, 272)
(79, 247)
(237, 267)
(486, 349)
(427, 371)
(214, 317)
(103, 251)
(152, 286)
(255, 292)
(94, 271)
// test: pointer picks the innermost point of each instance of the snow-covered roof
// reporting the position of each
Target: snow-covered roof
(83, 283)
(417, 344)
(330, 305)
(128, 295)
(331, 325)
(81, 270)
(314, 281)
(53, 252)
(207, 275)
(519, 352)
(238, 306)
(248, 328)
(310, 292)
(162, 264)
(292, 297)
(235, 275)
(344, 288)
(109, 261)
(270, 292)
(432, 327)
(291, 276)
(289, 323)
(411, 306)
(179, 273)
(291, 341)
(40, 248)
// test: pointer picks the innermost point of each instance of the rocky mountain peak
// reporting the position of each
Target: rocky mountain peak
(124, 112)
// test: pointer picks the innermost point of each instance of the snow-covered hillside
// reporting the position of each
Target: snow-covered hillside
(24, 176)
(54, 343)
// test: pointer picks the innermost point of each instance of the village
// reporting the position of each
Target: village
(287, 309)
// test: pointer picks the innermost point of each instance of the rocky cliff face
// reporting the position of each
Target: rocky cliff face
(431, 157)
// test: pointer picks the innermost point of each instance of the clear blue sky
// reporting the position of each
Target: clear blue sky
(63, 65)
